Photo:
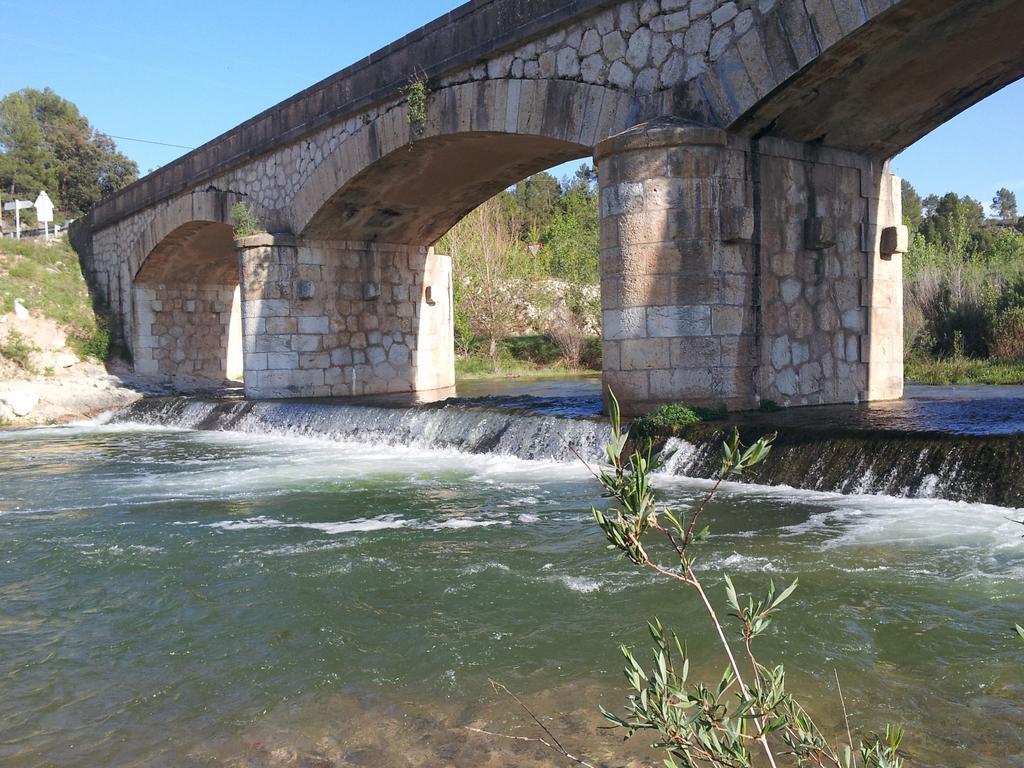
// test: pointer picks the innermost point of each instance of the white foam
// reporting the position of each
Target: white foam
(579, 583)
(364, 525)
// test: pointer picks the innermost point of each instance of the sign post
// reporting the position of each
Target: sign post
(17, 206)
(44, 211)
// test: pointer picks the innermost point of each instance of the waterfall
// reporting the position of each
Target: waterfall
(987, 469)
(983, 469)
(446, 427)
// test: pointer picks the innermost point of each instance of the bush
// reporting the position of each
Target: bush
(673, 417)
(247, 223)
(1008, 335)
(18, 349)
(94, 343)
(748, 714)
(569, 335)
(539, 350)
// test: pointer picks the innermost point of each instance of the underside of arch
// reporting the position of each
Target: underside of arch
(418, 192)
(901, 75)
(187, 310)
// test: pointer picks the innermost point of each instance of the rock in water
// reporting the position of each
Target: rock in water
(21, 401)
(19, 310)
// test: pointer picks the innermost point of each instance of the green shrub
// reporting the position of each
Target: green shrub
(747, 717)
(540, 350)
(94, 343)
(415, 95)
(18, 349)
(246, 221)
(668, 419)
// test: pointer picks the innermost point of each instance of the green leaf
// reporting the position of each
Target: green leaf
(785, 593)
(730, 594)
(1020, 629)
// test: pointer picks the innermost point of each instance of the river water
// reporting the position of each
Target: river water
(193, 598)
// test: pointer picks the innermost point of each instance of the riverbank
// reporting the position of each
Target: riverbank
(964, 370)
(44, 381)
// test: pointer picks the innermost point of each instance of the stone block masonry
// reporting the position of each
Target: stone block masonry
(190, 335)
(338, 318)
(712, 289)
(677, 297)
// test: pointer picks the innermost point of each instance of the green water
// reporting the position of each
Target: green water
(189, 598)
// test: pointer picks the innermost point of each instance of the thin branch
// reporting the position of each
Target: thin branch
(586, 464)
(735, 667)
(699, 510)
(846, 716)
(535, 740)
(555, 744)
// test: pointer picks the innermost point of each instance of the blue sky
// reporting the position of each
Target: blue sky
(182, 72)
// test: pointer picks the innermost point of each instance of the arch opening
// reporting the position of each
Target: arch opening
(375, 304)
(895, 79)
(417, 193)
(188, 321)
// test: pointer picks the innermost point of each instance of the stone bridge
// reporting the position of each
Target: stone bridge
(751, 234)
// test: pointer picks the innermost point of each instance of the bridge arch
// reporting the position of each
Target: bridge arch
(870, 77)
(393, 182)
(187, 311)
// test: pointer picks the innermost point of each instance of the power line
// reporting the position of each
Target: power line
(147, 141)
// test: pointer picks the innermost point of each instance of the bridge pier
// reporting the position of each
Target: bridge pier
(337, 318)
(737, 271)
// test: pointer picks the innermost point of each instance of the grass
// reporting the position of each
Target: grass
(963, 370)
(518, 356)
(48, 278)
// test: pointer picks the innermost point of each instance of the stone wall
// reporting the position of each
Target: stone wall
(737, 272)
(323, 318)
(827, 274)
(188, 334)
(676, 269)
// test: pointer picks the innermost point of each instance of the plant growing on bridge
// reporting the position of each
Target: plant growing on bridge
(747, 717)
(415, 95)
(246, 221)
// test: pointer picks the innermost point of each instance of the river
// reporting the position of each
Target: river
(178, 597)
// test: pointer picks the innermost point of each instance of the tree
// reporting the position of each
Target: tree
(1004, 205)
(25, 165)
(487, 256)
(953, 222)
(913, 213)
(534, 199)
(46, 143)
(572, 238)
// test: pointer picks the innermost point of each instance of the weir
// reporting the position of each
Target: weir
(972, 468)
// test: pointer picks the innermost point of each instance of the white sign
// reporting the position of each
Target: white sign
(17, 206)
(44, 208)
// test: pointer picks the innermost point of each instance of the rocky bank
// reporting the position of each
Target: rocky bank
(52, 385)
